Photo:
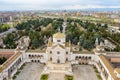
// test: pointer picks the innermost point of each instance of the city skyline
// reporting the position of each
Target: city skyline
(56, 4)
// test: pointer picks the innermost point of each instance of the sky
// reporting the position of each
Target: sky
(56, 4)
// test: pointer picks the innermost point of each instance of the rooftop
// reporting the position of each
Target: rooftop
(59, 35)
(83, 52)
(118, 70)
(9, 61)
(109, 67)
(6, 54)
(59, 46)
(7, 50)
(37, 50)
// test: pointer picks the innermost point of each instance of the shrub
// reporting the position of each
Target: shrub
(67, 77)
(44, 77)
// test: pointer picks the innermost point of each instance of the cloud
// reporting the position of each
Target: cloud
(57, 4)
(88, 6)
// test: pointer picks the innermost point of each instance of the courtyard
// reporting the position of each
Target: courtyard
(84, 72)
(31, 71)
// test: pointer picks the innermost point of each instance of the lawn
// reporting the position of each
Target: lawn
(44, 77)
(67, 77)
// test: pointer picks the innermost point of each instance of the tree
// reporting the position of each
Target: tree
(9, 41)
(4, 27)
(35, 43)
(105, 26)
(2, 60)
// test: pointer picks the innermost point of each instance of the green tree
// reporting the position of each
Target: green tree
(9, 41)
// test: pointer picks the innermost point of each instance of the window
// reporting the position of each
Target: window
(50, 52)
(79, 57)
(89, 57)
(51, 59)
(58, 52)
(66, 52)
(4, 79)
(29, 56)
(58, 61)
(32, 61)
(58, 41)
(66, 59)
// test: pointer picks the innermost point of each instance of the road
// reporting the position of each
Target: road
(8, 31)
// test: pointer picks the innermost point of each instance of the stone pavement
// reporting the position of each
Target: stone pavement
(31, 71)
(65, 68)
(56, 76)
(84, 72)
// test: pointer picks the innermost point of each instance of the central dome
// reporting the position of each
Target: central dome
(59, 35)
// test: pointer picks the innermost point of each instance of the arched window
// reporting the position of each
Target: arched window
(58, 40)
(89, 57)
(41, 56)
(66, 59)
(86, 57)
(82, 57)
(58, 52)
(5, 78)
(66, 52)
(79, 57)
(58, 61)
(76, 57)
(32, 61)
(50, 52)
(51, 59)
(29, 56)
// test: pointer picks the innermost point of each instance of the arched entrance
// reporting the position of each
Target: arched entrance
(51, 59)
(66, 59)
(58, 61)
(4, 78)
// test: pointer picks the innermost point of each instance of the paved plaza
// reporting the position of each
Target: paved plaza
(84, 72)
(56, 76)
(31, 71)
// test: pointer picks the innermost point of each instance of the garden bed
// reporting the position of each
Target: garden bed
(44, 77)
(68, 77)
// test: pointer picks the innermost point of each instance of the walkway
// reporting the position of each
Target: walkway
(56, 76)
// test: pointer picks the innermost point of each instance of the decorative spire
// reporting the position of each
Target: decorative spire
(96, 42)
(58, 29)
(69, 43)
(50, 39)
